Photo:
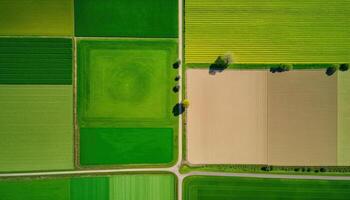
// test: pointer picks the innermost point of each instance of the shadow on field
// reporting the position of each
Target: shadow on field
(178, 109)
(214, 68)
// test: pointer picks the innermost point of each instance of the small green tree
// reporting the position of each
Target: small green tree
(344, 67)
(223, 61)
(331, 70)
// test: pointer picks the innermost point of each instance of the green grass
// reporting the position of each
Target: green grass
(257, 66)
(36, 123)
(106, 146)
(127, 18)
(213, 188)
(89, 188)
(157, 186)
(127, 83)
(55, 189)
(267, 31)
(35, 61)
(36, 17)
(343, 119)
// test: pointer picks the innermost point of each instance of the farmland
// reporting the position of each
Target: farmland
(212, 188)
(125, 83)
(125, 18)
(267, 31)
(33, 60)
(265, 124)
(36, 17)
(113, 187)
(33, 118)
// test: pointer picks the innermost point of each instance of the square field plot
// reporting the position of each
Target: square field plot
(125, 86)
(127, 18)
(268, 31)
(256, 117)
(36, 17)
(36, 127)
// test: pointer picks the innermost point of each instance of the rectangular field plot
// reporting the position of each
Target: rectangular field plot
(127, 18)
(227, 117)
(36, 61)
(36, 17)
(36, 123)
(115, 187)
(124, 83)
(106, 146)
(302, 118)
(297, 118)
(267, 31)
(214, 188)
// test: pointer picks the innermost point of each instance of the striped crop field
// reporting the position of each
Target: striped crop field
(115, 187)
(268, 31)
(228, 188)
(31, 60)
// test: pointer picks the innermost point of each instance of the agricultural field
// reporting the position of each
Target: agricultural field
(125, 100)
(33, 118)
(36, 17)
(267, 31)
(36, 103)
(213, 188)
(256, 117)
(111, 187)
(127, 18)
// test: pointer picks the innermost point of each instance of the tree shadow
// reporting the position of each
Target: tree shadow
(178, 109)
(214, 68)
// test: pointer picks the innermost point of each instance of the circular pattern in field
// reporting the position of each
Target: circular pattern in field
(129, 84)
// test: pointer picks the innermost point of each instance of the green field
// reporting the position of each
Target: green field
(230, 188)
(343, 119)
(116, 187)
(127, 18)
(106, 146)
(32, 60)
(268, 31)
(36, 17)
(126, 83)
(36, 127)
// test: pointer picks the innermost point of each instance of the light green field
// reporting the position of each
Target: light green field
(343, 119)
(36, 17)
(126, 82)
(142, 187)
(36, 123)
(268, 31)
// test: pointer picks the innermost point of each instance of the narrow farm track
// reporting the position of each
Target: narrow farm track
(269, 31)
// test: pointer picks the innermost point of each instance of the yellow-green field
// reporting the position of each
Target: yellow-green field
(267, 31)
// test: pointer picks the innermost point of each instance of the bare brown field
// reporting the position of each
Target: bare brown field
(302, 119)
(256, 117)
(227, 117)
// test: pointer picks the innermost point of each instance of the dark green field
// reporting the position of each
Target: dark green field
(232, 188)
(127, 18)
(125, 101)
(103, 146)
(36, 61)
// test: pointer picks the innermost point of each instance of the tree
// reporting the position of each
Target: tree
(344, 67)
(281, 68)
(177, 64)
(331, 70)
(186, 103)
